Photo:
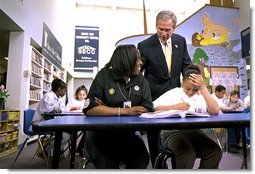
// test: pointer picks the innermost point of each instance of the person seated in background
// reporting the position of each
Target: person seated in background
(233, 103)
(247, 101)
(118, 89)
(2, 87)
(52, 103)
(219, 95)
(234, 134)
(3, 92)
(247, 109)
(187, 144)
(77, 104)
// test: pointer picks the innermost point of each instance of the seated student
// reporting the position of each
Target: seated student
(187, 144)
(219, 95)
(118, 89)
(233, 103)
(234, 134)
(247, 106)
(77, 103)
(52, 103)
(2, 87)
(247, 101)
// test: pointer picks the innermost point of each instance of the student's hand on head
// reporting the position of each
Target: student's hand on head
(197, 80)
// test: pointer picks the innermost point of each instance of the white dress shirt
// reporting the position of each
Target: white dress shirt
(48, 103)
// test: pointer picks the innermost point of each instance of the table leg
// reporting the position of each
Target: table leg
(73, 147)
(56, 152)
(244, 148)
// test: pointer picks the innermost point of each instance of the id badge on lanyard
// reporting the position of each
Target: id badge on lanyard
(127, 104)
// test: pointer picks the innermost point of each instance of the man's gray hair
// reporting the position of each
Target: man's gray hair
(165, 16)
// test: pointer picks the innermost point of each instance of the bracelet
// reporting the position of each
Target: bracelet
(119, 112)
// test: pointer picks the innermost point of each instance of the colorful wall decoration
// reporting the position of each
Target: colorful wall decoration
(214, 40)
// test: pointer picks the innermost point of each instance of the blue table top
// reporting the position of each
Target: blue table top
(77, 123)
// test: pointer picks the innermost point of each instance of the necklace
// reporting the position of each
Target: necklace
(129, 93)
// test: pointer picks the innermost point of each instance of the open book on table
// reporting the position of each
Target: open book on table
(173, 113)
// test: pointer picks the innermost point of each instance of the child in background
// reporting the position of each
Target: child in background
(233, 103)
(52, 103)
(77, 104)
(79, 99)
(219, 95)
(234, 134)
(247, 100)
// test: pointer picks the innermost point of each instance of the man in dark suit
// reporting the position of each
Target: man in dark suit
(161, 74)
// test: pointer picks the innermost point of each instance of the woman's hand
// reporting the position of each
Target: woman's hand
(136, 110)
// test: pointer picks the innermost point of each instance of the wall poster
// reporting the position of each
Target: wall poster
(86, 48)
(226, 76)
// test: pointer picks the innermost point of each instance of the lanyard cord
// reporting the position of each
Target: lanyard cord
(129, 93)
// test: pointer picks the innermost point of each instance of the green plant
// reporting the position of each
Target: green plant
(4, 95)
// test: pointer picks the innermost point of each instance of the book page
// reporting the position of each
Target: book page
(162, 114)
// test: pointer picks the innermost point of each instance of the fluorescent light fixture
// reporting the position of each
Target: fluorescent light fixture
(248, 67)
(6, 58)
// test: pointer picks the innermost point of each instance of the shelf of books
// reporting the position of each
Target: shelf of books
(42, 73)
(9, 131)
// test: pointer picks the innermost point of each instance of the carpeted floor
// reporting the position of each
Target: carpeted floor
(26, 161)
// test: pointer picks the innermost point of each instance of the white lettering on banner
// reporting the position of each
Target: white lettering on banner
(90, 61)
(86, 49)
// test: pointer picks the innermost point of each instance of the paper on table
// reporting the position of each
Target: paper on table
(173, 114)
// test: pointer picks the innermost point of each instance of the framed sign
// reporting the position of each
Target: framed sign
(86, 48)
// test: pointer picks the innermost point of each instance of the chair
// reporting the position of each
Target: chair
(27, 129)
(164, 154)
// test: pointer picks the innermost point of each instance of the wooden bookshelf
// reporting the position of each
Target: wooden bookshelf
(9, 131)
(42, 73)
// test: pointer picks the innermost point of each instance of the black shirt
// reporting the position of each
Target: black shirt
(113, 90)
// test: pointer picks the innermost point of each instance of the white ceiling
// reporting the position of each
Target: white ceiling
(177, 6)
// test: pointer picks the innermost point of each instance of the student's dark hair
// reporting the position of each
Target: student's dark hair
(81, 88)
(191, 69)
(220, 88)
(123, 60)
(57, 83)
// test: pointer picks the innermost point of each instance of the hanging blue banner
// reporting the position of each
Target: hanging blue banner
(86, 48)
(51, 48)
